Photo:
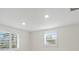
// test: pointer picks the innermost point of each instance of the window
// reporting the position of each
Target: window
(50, 39)
(8, 40)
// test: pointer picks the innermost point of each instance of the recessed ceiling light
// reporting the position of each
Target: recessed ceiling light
(46, 16)
(23, 23)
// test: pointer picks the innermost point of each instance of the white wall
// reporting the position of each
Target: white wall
(68, 39)
(23, 38)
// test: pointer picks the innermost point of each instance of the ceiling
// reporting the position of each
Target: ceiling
(34, 17)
